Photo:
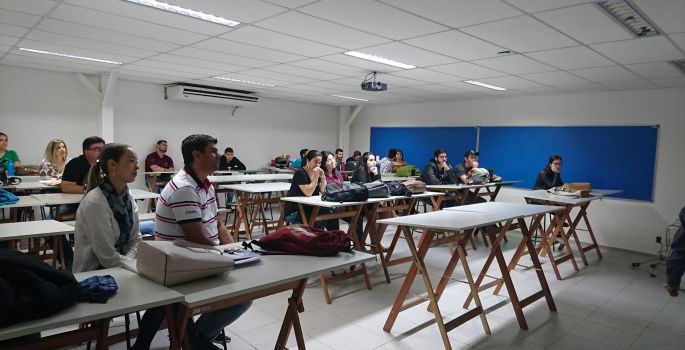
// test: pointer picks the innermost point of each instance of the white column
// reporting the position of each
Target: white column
(107, 110)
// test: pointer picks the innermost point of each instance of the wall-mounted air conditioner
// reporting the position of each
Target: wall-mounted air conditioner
(209, 94)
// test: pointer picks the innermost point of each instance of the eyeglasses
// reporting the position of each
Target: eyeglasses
(94, 149)
(556, 163)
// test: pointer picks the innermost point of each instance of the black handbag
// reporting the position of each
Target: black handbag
(377, 189)
(398, 189)
(345, 192)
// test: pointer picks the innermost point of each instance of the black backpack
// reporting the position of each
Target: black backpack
(31, 289)
(398, 189)
(345, 192)
(377, 189)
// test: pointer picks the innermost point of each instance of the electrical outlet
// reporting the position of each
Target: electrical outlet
(658, 239)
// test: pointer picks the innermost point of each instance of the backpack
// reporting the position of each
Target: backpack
(7, 198)
(345, 192)
(478, 176)
(377, 189)
(31, 289)
(415, 186)
(407, 170)
(303, 240)
(398, 189)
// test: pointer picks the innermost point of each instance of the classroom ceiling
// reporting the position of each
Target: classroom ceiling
(556, 46)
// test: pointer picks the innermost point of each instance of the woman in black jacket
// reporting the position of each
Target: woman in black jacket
(366, 170)
(550, 176)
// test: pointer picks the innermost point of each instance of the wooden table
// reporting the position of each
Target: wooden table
(24, 202)
(257, 195)
(555, 228)
(275, 274)
(453, 226)
(135, 294)
(350, 210)
(460, 192)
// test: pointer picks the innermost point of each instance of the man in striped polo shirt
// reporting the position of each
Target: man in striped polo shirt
(187, 210)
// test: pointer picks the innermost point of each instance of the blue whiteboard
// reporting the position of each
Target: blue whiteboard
(418, 143)
(609, 157)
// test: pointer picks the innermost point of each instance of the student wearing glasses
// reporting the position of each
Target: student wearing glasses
(76, 171)
(550, 176)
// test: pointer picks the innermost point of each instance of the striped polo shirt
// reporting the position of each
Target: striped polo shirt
(186, 199)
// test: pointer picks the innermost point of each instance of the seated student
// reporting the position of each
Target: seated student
(333, 175)
(550, 176)
(351, 162)
(7, 154)
(438, 172)
(340, 165)
(55, 160)
(299, 163)
(106, 231)
(675, 264)
(386, 162)
(187, 210)
(308, 181)
(159, 161)
(76, 170)
(229, 162)
(367, 169)
(398, 161)
(462, 171)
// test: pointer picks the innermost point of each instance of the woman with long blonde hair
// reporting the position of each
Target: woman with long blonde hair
(55, 159)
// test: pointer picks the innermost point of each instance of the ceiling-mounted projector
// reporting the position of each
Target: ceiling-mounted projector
(372, 84)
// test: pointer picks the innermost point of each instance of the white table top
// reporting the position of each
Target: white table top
(273, 270)
(396, 178)
(135, 293)
(454, 220)
(28, 229)
(51, 199)
(317, 201)
(259, 187)
(24, 201)
(279, 170)
(155, 173)
(546, 196)
(249, 178)
(462, 186)
(504, 208)
(226, 172)
(28, 186)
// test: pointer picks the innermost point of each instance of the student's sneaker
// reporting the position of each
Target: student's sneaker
(220, 338)
(672, 291)
(496, 178)
(197, 342)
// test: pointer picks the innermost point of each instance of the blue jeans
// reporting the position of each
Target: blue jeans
(147, 228)
(294, 218)
(675, 267)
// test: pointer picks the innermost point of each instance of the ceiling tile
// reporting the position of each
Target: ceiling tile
(400, 79)
(244, 11)
(302, 72)
(18, 18)
(221, 57)
(656, 48)
(427, 76)
(269, 75)
(604, 74)
(521, 34)
(337, 85)
(585, 23)
(656, 70)
(75, 51)
(19, 61)
(542, 5)
(543, 91)
(511, 82)
(407, 54)
(558, 78)
(456, 44)
(330, 67)
(47, 61)
(366, 65)
(120, 24)
(668, 15)
(364, 15)
(515, 64)
(156, 71)
(571, 58)
(4, 48)
(81, 31)
(679, 40)
(174, 67)
(670, 82)
(241, 49)
(194, 62)
(438, 89)
(277, 41)
(291, 3)
(474, 88)
(35, 7)
(86, 44)
(245, 86)
(584, 88)
(467, 70)
(13, 31)
(300, 25)
(458, 13)
(8, 41)
(640, 84)
(152, 15)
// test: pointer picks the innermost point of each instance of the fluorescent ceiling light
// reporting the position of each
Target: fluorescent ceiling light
(245, 81)
(68, 56)
(186, 12)
(350, 98)
(378, 59)
(629, 16)
(484, 85)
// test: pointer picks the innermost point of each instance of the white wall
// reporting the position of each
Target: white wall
(619, 223)
(36, 106)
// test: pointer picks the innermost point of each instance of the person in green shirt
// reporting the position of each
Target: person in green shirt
(7, 154)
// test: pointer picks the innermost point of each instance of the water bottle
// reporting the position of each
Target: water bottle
(10, 168)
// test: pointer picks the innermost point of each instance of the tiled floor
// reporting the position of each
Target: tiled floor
(607, 305)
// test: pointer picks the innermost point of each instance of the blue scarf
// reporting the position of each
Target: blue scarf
(123, 212)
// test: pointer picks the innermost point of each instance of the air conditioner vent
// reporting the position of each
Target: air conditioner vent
(210, 94)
